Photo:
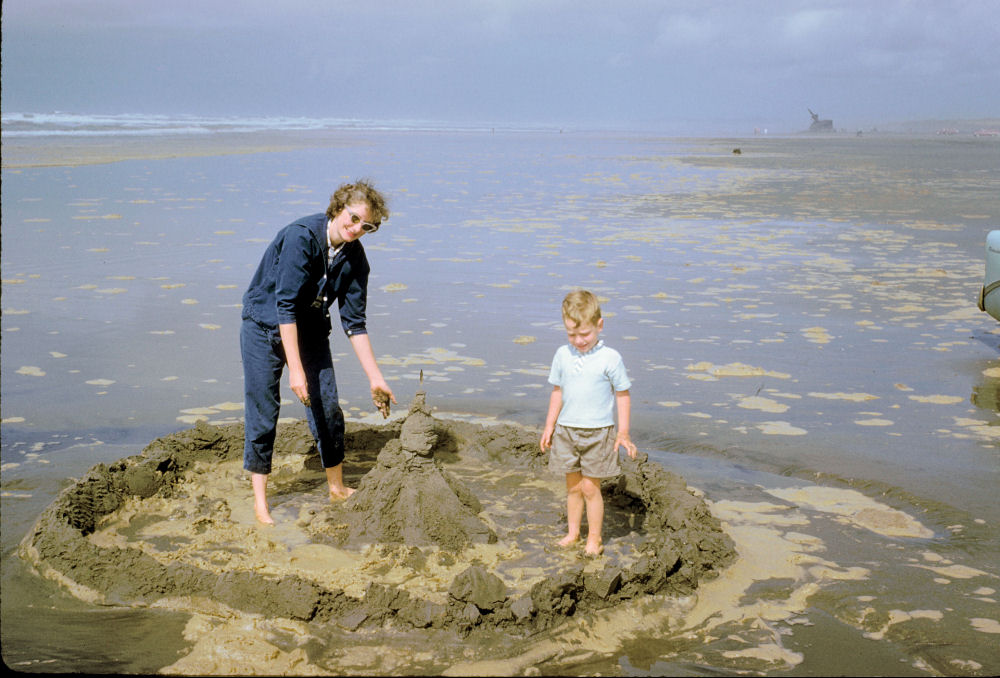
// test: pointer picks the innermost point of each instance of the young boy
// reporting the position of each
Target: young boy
(587, 377)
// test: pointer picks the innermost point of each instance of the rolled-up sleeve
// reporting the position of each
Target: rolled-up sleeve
(292, 273)
(353, 297)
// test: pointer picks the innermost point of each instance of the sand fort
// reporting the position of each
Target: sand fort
(453, 527)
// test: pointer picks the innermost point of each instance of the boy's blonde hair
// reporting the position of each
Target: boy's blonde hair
(581, 306)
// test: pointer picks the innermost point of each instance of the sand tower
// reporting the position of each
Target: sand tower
(409, 498)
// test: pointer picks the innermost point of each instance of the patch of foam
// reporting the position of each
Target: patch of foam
(734, 370)
(873, 422)
(853, 397)
(780, 428)
(31, 371)
(856, 508)
(770, 653)
(763, 404)
(816, 335)
(979, 427)
(901, 616)
(432, 356)
(937, 399)
(985, 625)
(954, 571)
(241, 645)
(767, 552)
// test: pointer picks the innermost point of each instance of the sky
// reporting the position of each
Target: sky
(617, 63)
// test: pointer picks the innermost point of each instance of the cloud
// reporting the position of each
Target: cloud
(526, 60)
(685, 31)
(808, 24)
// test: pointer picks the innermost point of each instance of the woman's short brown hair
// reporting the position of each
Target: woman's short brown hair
(360, 190)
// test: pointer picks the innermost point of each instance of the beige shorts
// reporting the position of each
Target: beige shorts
(590, 451)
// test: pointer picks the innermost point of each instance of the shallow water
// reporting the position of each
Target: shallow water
(799, 315)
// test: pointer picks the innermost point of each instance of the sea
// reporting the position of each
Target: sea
(797, 313)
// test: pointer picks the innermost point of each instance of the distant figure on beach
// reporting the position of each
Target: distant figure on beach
(588, 380)
(313, 262)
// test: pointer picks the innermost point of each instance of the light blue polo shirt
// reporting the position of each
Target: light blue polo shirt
(588, 382)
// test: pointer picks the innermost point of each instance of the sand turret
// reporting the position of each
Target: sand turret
(417, 435)
(409, 497)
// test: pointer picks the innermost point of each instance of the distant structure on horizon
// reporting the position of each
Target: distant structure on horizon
(819, 125)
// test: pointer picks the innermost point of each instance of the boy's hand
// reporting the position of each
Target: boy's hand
(626, 442)
(546, 442)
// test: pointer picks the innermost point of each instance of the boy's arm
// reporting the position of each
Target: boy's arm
(623, 400)
(555, 405)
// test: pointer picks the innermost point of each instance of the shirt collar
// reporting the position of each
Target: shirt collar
(575, 351)
(329, 244)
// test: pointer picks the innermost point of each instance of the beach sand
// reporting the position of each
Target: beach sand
(24, 152)
(172, 528)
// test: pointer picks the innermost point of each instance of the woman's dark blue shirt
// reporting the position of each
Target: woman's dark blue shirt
(294, 277)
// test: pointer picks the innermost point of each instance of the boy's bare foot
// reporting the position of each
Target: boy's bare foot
(593, 550)
(263, 515)
(568, 541)
(341, 495)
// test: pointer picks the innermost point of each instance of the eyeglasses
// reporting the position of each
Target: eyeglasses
(366, 226)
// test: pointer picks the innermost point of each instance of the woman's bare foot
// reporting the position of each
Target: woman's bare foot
(341, 494)
(335, 483)
(260, 507)
(593, 549)
(568, 541)
(263, 514)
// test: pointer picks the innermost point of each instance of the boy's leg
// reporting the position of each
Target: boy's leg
(574, 508)
(590, 488)
(598, 459)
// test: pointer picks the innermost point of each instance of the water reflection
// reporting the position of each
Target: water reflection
(986, 394)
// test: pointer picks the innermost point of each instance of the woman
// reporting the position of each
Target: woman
(311, 263)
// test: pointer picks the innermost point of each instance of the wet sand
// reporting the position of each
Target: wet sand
(799, 322)
(173, 528)
(25, 152)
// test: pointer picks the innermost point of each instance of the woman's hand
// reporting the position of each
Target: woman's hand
(381, 395)
(296, 373)
(297, 380)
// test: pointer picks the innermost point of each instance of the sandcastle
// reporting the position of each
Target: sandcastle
(452, 527)
(408, 498)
